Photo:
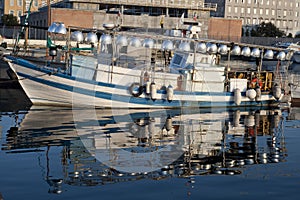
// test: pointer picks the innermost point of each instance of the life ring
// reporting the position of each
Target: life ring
(254, 82)
(136, 89)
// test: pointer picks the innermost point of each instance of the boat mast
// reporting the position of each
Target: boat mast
(48, 23)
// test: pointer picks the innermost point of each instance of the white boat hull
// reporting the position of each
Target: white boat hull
(59, 89)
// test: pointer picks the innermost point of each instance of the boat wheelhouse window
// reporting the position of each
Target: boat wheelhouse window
(177, 59)
(178, 63)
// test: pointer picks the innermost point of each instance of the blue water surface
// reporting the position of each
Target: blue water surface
(34, 165)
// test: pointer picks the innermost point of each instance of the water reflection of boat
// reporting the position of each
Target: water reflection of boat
(295, 88)
(148, 144)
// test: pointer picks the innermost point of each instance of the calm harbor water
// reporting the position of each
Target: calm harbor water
(60, 153)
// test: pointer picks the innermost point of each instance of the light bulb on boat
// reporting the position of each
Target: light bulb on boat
(105, 39)
(236, 50)
(184, 46)
(91, 38)
(135, 42)
(201, 47)
(77, 36)
(52, 27)
(167, 45)
(212, 48)
(281, 55)
(223, 49)
(246, 51)
(61, 29)
(255, 53)
(121, 40)
(269, 54)
(148, 43)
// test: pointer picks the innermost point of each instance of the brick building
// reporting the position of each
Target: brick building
(147, 14)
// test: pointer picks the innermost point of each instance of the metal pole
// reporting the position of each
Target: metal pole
(26, 28)
(48, 23)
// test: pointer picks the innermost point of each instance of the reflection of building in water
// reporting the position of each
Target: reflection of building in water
(208, 143)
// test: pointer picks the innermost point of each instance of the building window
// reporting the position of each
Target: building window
(248, 10)
(284, 23)
(261, 2)
(278, 23)
(279, 3)
(268, 2)
(20, 13)
(273, 12)
(267, 11)
(12, 2)
(20, 2)
(11, 12)
(36, 3)
(229, 9)
(249, 1)
(261, 11)
(284, 13)
(242, 10)
(248, 21)
(235, 9)
(254, 11)
(296, 14)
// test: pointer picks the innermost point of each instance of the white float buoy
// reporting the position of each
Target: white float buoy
(168, 123)
(153, 91)
(258, 93)
(237, 96)
(277, 92)
(170, 93)
(249, 121)
(151, 128)
(147, 89)
(251, 94)
(236, 118)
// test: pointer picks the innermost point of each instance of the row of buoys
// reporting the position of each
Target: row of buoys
(202, 47)
(255, 94)
(149, 88)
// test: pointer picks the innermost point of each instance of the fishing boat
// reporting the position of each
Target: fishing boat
(147, 70)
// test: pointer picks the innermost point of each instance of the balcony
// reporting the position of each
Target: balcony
(183, 4)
